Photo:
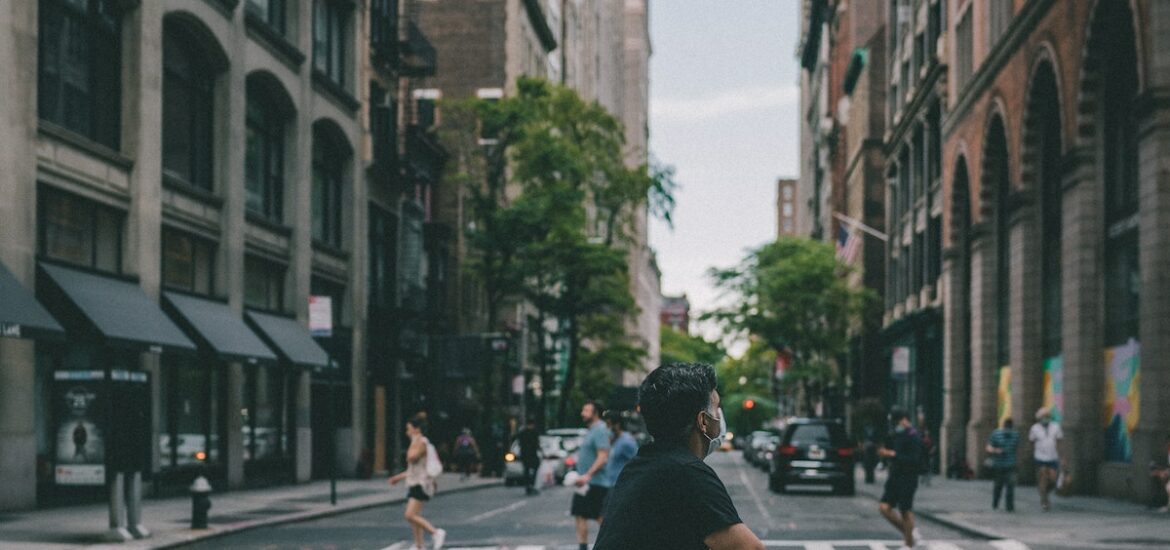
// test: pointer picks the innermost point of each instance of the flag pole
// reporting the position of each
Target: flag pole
(865, 228)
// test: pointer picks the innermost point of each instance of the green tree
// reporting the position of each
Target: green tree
(793, 294)
(679, 347)
(745, 378)
(552, 204)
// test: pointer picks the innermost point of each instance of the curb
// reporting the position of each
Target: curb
(960, 526)
(241, 527)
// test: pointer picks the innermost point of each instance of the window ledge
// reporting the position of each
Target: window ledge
(179, 185)
(85, 144)
(274, 226)
(326, 248)
(275, 42)
(335, 91)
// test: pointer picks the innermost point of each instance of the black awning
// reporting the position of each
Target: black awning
(215, 326)
(290, 339)
(118, 310)
(21, 315)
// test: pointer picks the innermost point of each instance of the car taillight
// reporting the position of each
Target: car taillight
(788, 450)
(570, 462)
(845, 452)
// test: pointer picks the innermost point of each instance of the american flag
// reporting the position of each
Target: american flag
(848, 244)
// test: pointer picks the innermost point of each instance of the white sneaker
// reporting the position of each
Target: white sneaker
(439, 537)
(917, 536)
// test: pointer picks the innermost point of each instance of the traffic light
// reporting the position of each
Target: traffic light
(749, 404)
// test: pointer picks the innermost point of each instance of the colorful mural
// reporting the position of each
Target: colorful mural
(1122, 399)
(1054, 387)
(1004, 395)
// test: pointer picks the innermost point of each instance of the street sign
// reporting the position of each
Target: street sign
(900, 362)
(321, 316)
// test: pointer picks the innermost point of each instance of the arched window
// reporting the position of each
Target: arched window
(996, 176)
(188, 108)
(1118, 138)
(79, 67)
(264, 153)
(329, 160)
(1047, 117)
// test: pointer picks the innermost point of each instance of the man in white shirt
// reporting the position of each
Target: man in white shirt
(1045, 436)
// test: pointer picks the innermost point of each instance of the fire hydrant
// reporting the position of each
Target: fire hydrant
(200, 502)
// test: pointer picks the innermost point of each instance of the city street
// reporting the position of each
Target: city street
(504, 518)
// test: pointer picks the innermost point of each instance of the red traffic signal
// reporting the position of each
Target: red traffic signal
(749, 404)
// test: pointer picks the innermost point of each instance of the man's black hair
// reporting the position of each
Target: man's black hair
(598, 408)
(615, 418)
(671, 396)
(897, 415)
(1008, 423)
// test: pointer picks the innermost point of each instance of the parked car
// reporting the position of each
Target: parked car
(558, 445)
(813, 451)
(752, 451)
(767, 451)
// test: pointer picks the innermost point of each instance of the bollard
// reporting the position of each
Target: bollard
(200, 502)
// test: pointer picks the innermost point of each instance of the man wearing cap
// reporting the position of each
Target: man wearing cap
(1045, 435)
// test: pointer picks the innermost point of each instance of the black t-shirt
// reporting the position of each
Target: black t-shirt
(908, 451)
(665, 498)
(529, 445)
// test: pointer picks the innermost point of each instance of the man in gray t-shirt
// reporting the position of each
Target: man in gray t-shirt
(591, 460)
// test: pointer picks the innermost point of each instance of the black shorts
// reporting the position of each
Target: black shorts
(591, 504)
(899, 491)
(416, 492)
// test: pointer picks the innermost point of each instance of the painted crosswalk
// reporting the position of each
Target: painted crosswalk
(777, 544)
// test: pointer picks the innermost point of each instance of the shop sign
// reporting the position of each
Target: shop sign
(321, 316)
(10, 330)
(900, 362)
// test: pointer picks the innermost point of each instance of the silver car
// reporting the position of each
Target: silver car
(554, 449)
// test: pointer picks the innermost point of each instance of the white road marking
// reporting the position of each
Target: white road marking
(1009, 545)
(397, 546)
(755, 496)
(492, 513)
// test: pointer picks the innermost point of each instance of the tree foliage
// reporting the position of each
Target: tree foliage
(679, 347)
(552, 205)
(793, 294)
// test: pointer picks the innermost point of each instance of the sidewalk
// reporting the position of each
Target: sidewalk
(169, 520)
(1074, 522)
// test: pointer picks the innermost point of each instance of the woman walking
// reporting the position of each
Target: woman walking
(420, 485)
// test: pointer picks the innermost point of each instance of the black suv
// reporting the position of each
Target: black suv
(813, 451)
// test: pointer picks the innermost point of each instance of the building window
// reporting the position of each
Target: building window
(328, 169)
(79, 231)
(264, 156)
(268, 398)
(188, 109)
(997, 167)
(964, 50)
(79, 67)
(1119, 139)
(269, 11)
(330, 21)
(383, 240)
(263, 284)
(999, 17)
(188, 263)
(189, 413)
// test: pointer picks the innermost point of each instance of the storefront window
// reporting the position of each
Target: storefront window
(187, 262)
(189, 422)
(266, 414)
(79, 231)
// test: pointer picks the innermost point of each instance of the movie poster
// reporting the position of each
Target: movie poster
(1122, 399)
(81, 438)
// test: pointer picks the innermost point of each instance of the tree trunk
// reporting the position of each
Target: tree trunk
(570, 373)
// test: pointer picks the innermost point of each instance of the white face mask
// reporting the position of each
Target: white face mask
(713, 443)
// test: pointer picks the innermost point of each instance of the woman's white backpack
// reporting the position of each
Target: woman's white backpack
(434, 466)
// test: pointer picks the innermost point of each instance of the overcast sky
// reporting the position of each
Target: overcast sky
(724, 102)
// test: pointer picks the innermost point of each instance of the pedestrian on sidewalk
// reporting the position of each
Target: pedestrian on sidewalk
(1046, 436)
(591, 460)
(623, 446)
(906, 454)
(1002, 447)
(420, 483)
(668, 497)
(529, 440)
(870, 453)
(466, 453)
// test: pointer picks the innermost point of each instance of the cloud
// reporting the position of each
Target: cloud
(696, 109)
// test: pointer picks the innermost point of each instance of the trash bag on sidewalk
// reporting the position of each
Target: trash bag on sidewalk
(545, 477)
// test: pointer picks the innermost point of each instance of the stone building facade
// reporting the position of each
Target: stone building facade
(1058, 192)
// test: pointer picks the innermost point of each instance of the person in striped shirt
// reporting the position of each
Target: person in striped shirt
(1002, 448)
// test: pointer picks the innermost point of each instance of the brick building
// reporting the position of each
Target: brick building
(1055, 157)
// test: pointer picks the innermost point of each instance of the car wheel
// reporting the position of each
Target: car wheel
(776, 485)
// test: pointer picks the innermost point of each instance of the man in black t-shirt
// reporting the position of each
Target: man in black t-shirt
(529, 439)
(667, 498)
(905, 451)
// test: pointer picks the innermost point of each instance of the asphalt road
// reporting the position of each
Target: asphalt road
(505, 518)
